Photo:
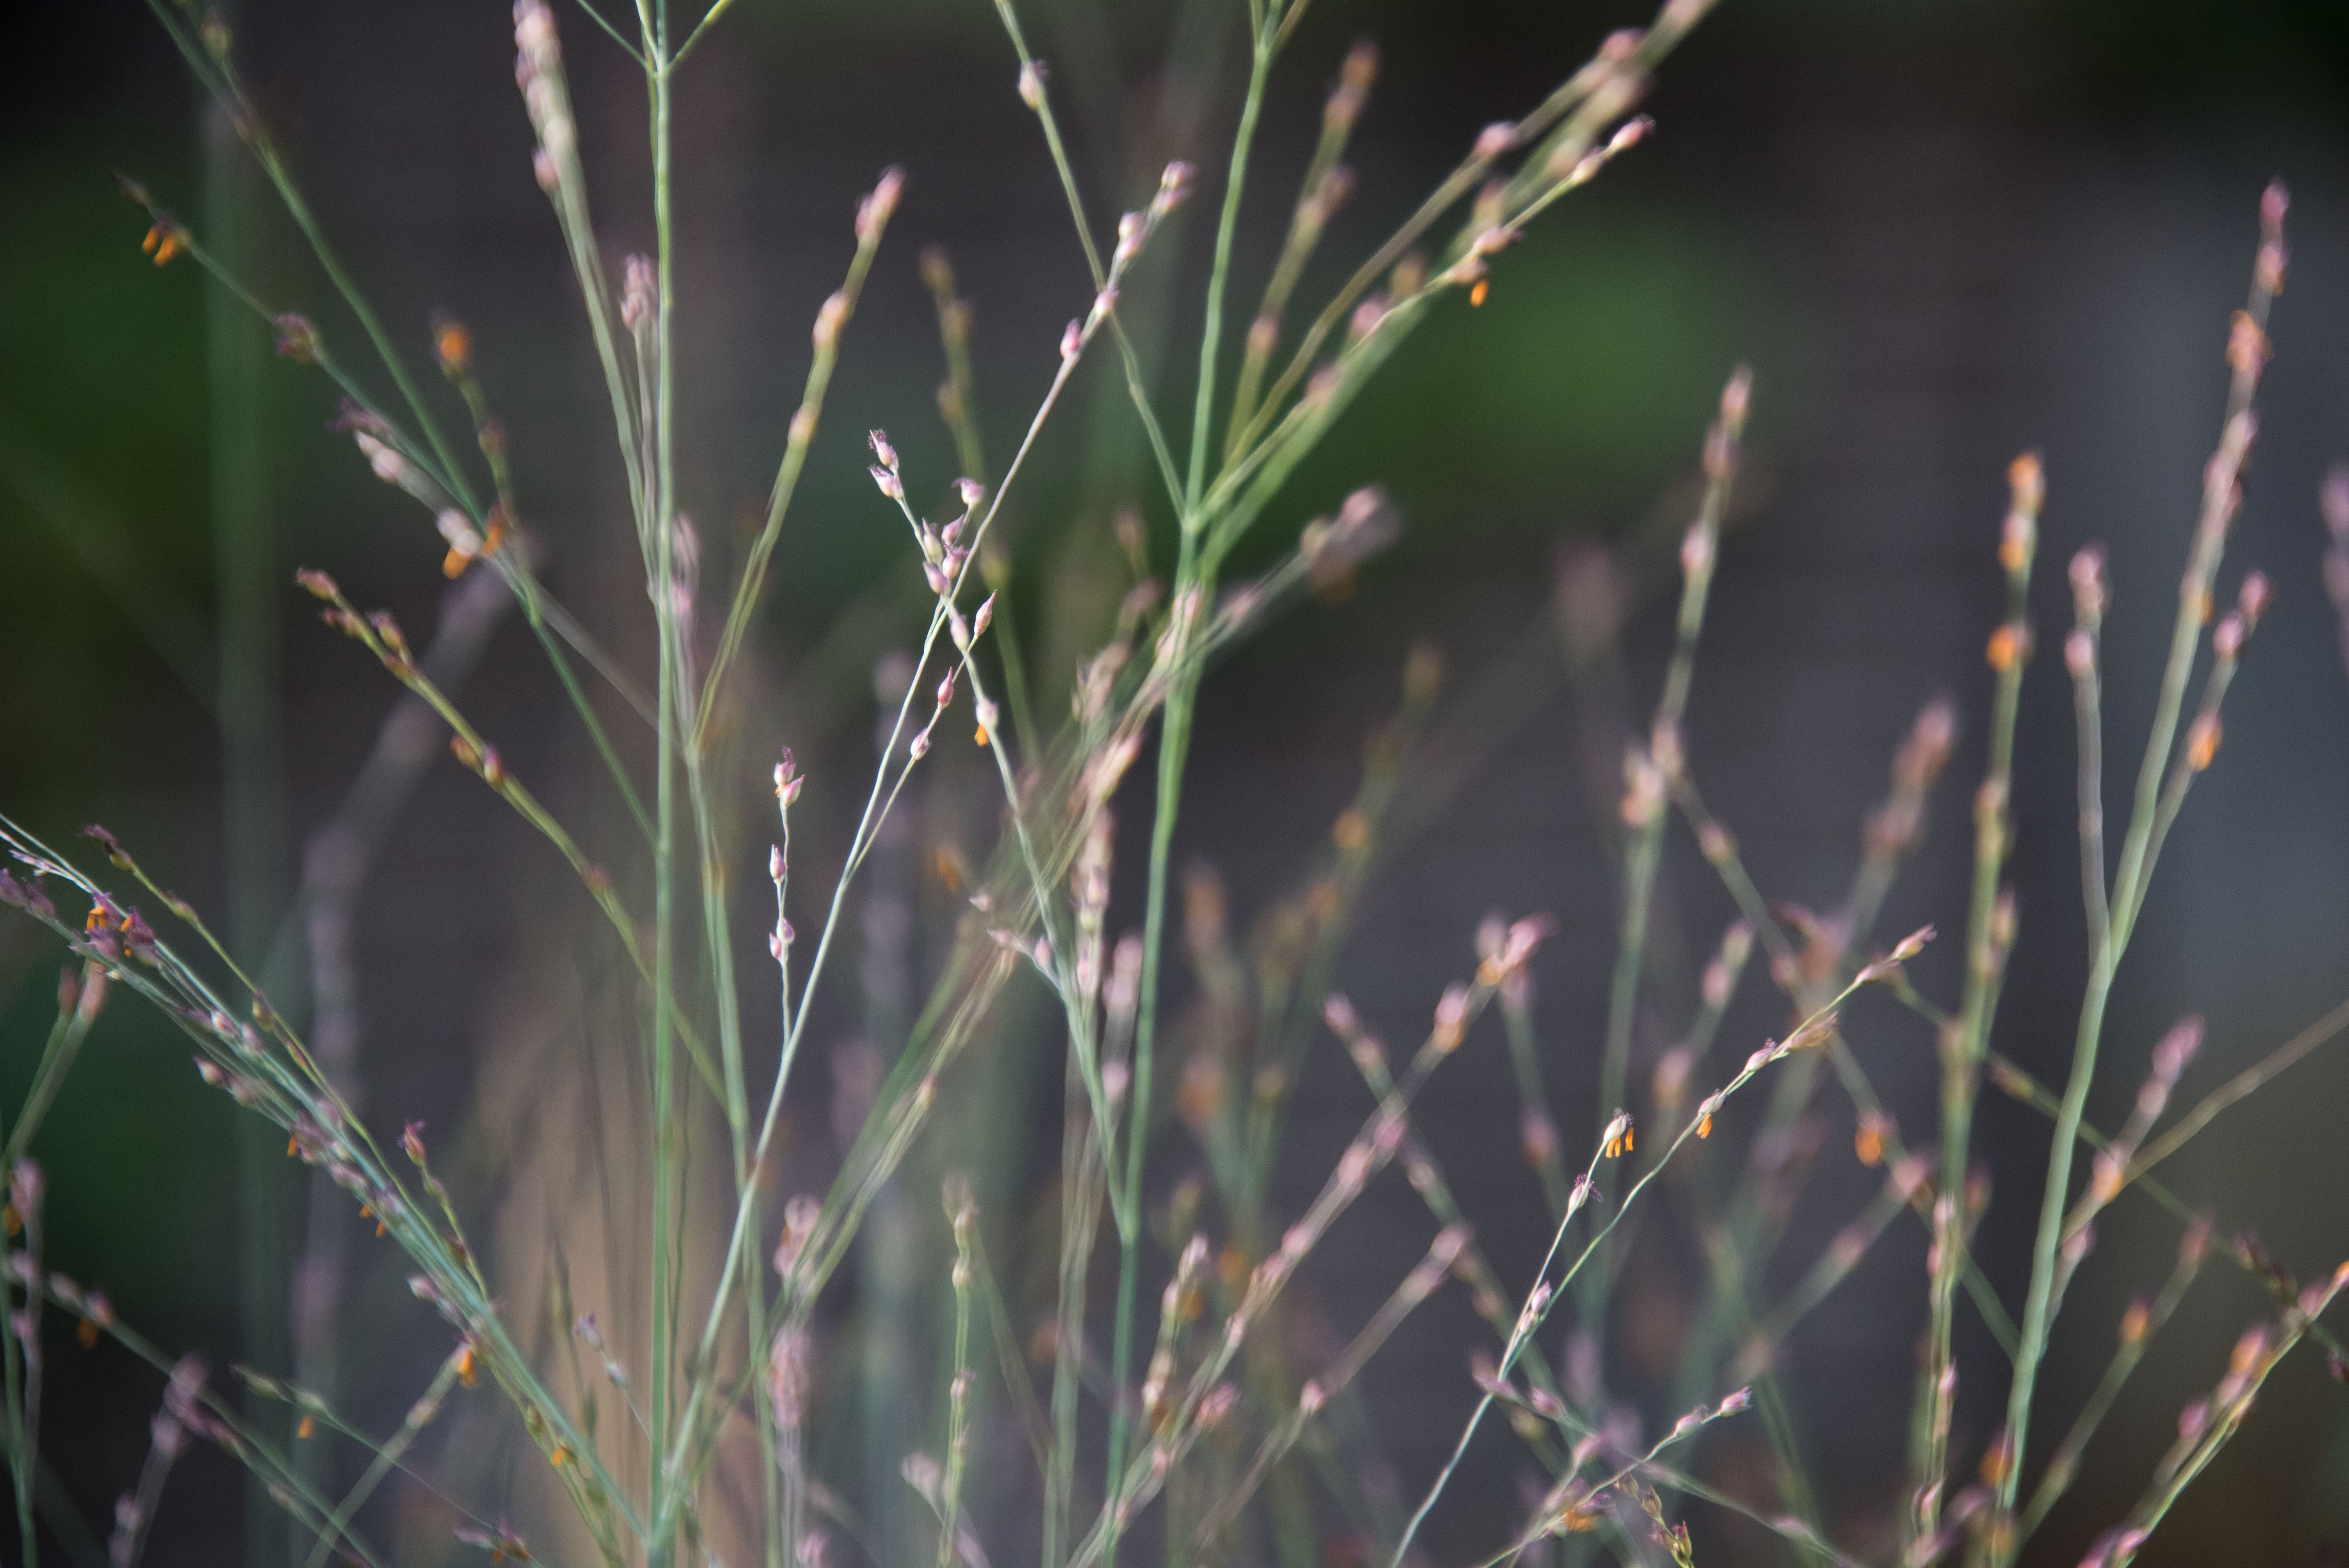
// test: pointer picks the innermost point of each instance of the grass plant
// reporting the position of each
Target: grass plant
(693, 1415)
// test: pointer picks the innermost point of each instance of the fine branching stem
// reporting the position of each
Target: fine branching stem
(1244, 1416)
(2222, 495)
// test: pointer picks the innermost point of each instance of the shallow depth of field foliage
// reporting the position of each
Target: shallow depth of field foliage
(894, 1137)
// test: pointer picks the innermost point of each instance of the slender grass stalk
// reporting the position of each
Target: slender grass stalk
(2256, 1355)
(1203, 412)
(267, 1068)
(1990, 935)
(2247, 356)
(1427, 1179)
(2140, 1324)
(883, 794)
(956, 406)
(381, 637)
(2236, 1089)
(1918, 761)
(668, 1154)
(1416, 1287)
(1033, 91)
(1614, 1141)
(1206, 1399)
(872, 221)
(1647, 773)
(1834, 1265)
(386, 1460)
(1043, 878)
(78, 1003)
(244, 551)
(2023, 1087)
(2080, 650)
(1079, 1217)
(436, 486)
(1324, 186)
(334, 861)
(207, 53)
(964, 1215)
(1541, 1132)
(210, 60)
(1174, 743)
(192, 1401)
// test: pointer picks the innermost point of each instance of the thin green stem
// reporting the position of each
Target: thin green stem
(1135, 391)
(596, 15)
(1541, 1147)
(77, 1011)
(1811, 1032)
(2139, 1325)
(1987, 941)
(1203, 407)
(386, 1459)
(2220, 500)
(667, 1155)
(2039, 1097)
(1649, 771)
(2088, 710)
(700, 28)
(830, 323)
(965, 1218)
(1317, 196)
(219, 77)
(1174, 744)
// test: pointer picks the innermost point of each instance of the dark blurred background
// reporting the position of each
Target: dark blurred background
(1940, 234)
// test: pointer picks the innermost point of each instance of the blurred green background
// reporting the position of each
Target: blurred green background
(1941, 233)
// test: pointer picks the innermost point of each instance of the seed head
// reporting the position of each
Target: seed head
(1219, 1403)
(165, 239)
(873, 213)
(1354, 78)
(2080, 653)
(298, 339)
(2252, 603)
(1875, 1127)
(2089, 595)
(2248, 350)
(2007, 645)
(2202, 737)
(640, 298)
(1130, 232)
(453, 346)
(1174, 188)
(1618, 1139)
(829, 316)
(1450, 1018)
